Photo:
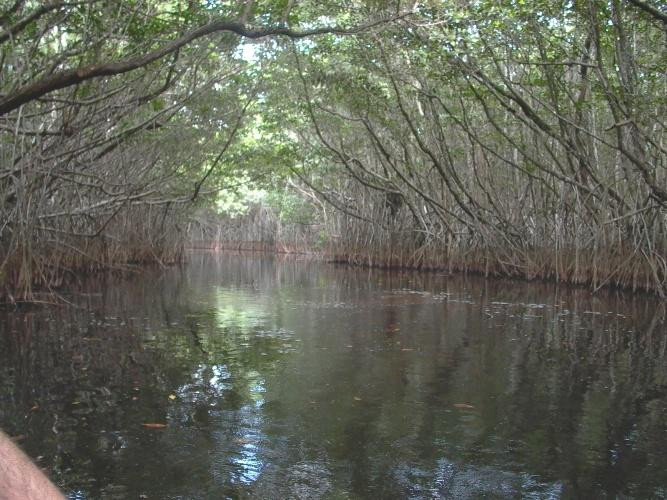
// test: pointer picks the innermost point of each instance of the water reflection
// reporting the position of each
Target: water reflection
(287, 379)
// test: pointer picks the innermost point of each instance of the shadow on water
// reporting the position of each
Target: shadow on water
(279, 378)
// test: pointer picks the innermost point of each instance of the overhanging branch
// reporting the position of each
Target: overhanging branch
(71, 77)
(661, 16)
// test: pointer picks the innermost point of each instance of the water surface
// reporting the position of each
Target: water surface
(283, 378)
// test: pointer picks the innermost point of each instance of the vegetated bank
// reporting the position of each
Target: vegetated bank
(525, 140)
(115, 118)
(507, 160)
(341, 240)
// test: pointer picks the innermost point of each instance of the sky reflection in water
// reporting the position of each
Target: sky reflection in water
(288, 379)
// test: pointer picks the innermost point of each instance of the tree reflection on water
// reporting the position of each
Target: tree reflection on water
(281, 378)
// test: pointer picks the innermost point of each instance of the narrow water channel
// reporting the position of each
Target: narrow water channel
(278, 378)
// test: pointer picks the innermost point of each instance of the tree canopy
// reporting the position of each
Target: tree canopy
(509, 137)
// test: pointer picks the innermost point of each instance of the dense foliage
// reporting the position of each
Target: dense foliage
(518, 138)
(509, 137)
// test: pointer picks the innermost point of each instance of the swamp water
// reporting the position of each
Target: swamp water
(280, 378)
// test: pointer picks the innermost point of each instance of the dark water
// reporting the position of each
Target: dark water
(287, 379)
